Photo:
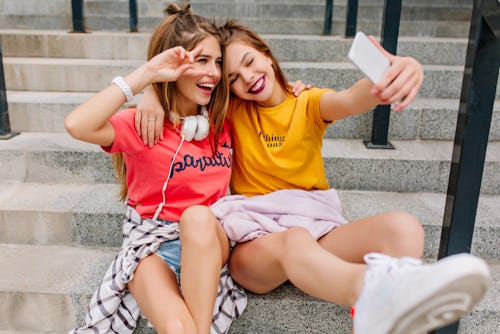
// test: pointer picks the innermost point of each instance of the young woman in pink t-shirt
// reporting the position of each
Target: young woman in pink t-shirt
(167, 187)
(370, 264)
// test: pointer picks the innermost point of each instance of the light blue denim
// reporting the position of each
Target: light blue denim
(170, 251)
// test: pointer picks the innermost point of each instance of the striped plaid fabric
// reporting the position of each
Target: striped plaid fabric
(113, 309)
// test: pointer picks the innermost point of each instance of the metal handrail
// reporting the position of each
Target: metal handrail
(471, 136)
(351, 18)
(77, 15)
(327, 26)
(77, 9)
(381, 114)
(132, 9)
(5, 132)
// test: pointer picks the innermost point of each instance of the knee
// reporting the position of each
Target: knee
(407, 233)
(198, 225)
(408, 226)
(295, 237)
(176, 326)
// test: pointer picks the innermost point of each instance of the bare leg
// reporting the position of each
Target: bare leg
(326, 269)
(393, 233)
(204, 251)
(156, 291)
(263, 264)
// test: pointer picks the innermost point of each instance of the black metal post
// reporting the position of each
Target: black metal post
(327, 29)
(381, 114)
(471, 136)
(351, 18)
(78, 20)
(132, 8)
(5, 132)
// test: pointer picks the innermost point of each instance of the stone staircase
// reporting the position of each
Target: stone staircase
(425, 17)
(60, 219)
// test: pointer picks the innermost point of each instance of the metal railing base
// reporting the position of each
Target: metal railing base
(387, 146)
(9, 135)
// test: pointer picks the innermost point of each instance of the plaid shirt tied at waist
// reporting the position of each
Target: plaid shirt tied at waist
(114, 310)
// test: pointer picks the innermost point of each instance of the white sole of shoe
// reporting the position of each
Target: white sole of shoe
(445, 306)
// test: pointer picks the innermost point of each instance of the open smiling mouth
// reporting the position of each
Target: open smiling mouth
(258, 86)
(206, 87)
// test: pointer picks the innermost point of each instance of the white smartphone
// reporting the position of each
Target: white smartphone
(370, 60)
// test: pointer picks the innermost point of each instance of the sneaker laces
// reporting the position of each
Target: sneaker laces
(378, 261)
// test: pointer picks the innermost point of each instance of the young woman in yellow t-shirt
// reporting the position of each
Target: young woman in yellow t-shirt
(370, 264)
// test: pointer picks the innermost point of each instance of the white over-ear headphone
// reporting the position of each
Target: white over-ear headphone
(196, 127)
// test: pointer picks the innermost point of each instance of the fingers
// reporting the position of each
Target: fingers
(146, 128)
(400, 84)
(151, 131)
(152, 128)
(188, 58)
(179, 51)
(195, 52)
(184, 55)
(406, 100)
(157, 131)
(169, 65)
(298, 87)
(138, 122)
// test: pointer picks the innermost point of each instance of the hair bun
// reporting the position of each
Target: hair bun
(174, 9)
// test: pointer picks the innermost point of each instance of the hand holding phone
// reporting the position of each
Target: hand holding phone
(368, 58)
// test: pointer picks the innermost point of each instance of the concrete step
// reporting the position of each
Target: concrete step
(453, 29)
(62, 7)
(288, 9)
(91, 75)
(414, 166)
(60, 280)
(21, 332)
(276, 17)
(56, 157)
(78, 214)
(44, 111)
(426, 119)
(288, 48)
(61, 214)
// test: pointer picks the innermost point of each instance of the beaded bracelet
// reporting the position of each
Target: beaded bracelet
(125, 88)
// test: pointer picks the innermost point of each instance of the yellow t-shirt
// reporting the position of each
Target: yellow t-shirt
(278, 147)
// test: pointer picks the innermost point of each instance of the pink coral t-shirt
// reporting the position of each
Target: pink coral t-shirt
(198, 177)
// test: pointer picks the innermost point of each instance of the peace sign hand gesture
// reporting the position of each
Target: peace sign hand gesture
(169, 65)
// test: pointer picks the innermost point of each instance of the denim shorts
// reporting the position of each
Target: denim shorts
(170, 252)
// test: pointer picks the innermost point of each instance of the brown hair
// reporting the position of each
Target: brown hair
(232, 31)
(183, 28)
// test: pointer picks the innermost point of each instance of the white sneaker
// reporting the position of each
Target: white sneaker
(403, 296)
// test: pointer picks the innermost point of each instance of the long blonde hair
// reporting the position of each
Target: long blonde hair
(182, 28)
